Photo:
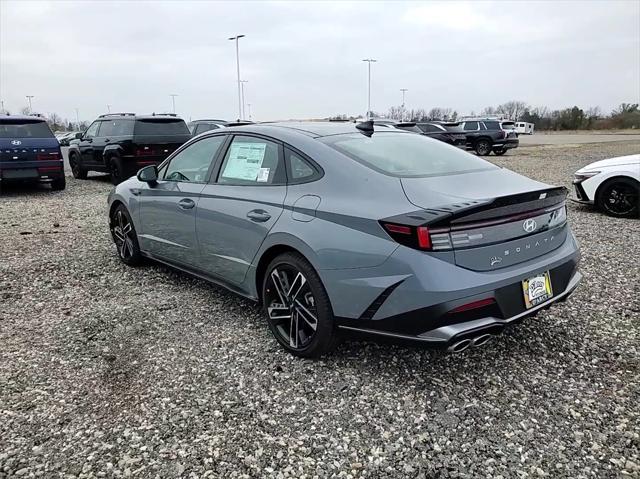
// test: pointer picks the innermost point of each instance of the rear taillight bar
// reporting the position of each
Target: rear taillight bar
(144, 151)
(48, 156)
(412, 236)
(481, 303)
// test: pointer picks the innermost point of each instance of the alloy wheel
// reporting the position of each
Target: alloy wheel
(620, 199)
(291, 306)
(122, 233)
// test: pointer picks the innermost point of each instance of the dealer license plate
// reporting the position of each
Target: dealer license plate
(537, 289)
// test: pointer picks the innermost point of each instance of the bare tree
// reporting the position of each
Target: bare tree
(512, 109)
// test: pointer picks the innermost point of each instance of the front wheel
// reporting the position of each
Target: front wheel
(483, 147)
(619, 197)
(297, 306)
(76, 167)
(124, 236)
(117, 170)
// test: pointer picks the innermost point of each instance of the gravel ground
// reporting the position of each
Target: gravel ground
(108, 371)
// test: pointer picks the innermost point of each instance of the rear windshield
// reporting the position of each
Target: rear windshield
(403, 155)
(24, 129)
(161, 127)
(507, 125)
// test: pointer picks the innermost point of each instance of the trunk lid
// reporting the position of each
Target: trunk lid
(156, 138)
(490, 219)
(18, 150)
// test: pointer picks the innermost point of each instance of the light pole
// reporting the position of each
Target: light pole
(403, 90)
(249, 106)
(29, 97)
(77, 120)
(369, 61)
(236, 38)
(173, 100)
(108, 108)
(242, 82)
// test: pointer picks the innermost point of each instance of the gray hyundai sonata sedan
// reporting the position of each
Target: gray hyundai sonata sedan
(337, 227)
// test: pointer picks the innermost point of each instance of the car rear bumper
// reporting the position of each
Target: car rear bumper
(413, 296)
(31, 170)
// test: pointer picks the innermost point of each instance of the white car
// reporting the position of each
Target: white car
(612, 185)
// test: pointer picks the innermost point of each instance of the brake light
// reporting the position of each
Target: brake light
(144, 151)
(411, 236)
(481, 303)
(48, 156)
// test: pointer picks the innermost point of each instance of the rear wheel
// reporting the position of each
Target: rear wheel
(58, 184)
(483, 147)
(499, 151)
(619, 197)
(125, 237)
(76, 167)
(117, 170)
(297, 306)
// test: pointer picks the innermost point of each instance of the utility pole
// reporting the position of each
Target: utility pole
(242, 82)
(403, 90)
(249, 106)
(29, 97)
(108, 108)
(1, 106)
(77, 120)
(369, 61)
(173, 99)
(236, 38)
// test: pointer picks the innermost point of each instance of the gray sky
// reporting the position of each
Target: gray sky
(304, 59)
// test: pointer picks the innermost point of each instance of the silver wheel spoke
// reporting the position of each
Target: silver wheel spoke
(123, 247)
(277, 283)
(117, 232)
(307, 315)
(127, 228)
(129, 244)
(293, 331)
(279, 311)
(296, 286)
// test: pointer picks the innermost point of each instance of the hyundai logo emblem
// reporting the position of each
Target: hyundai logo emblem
(16, 142)
(529, 225)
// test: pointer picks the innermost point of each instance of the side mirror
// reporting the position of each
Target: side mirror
(148, 174)
(78, 136)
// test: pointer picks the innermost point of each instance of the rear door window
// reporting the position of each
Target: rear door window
(252, 161)
(471, 126)
(116, 128)
(202, 127)
(492, 125)
(153, 126)
(299, 169)
(24, 129)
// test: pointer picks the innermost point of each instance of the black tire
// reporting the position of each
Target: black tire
(125, 237)
(77, 171)
(117, 170)
(307, 307)
(483, 147)
(499, 152)
(619, 197)
(59, 184)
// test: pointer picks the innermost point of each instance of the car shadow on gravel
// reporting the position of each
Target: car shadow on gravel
(28, 188)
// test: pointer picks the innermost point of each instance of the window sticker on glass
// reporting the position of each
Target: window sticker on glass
(263, 175)
(245, 161)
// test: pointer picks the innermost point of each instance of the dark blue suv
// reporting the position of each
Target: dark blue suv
(29, 151)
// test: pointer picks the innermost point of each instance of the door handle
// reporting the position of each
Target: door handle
(186, 204)
(259, 216)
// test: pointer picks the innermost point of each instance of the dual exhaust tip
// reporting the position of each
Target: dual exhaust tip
(476, 342)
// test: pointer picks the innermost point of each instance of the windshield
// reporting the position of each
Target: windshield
(403, 155)
(24, 129)
(161, 127)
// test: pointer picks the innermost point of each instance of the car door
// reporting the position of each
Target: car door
(240, 205)
(86, 143)
(168, 207)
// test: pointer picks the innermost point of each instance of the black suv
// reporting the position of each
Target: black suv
(29, 151)
(122, 143)
(485, 136)
(439, 132)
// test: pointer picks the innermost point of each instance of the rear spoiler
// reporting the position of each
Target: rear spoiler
(481, 210)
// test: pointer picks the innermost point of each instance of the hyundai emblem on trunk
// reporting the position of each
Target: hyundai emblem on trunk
(16, 142)
(529, 225)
